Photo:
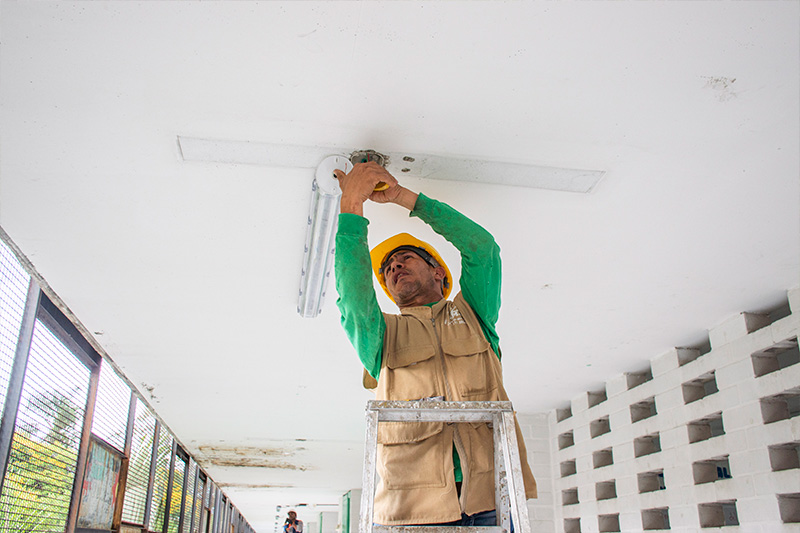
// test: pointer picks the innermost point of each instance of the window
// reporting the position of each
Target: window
(568, 468)
(789, 506)
(602, 458)
(44, 450)
(784, 456)
(655, 518)
(178, 484)
(643, 409)
(599, 427)
(634, 379)
(777, 357)
(144, 428)
(565, 440)
(781, 406)
(718, 514)
(647, 445)
(159, 505)
(606, 490)
(706, 428)
(608, 522)
(563, 413)
(699, 388)
(651, 481)
(111, 410)
(597, 397)
(690, 353)
(13, 293)
(569, 496)
(711, 470)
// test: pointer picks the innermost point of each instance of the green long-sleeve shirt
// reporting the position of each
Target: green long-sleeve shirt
(361, 316)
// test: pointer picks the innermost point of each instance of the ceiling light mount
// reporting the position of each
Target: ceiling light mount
(363, 156)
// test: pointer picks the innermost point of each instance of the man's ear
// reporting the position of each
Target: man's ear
(439, 273)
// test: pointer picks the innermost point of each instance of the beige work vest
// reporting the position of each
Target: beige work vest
(429, 352)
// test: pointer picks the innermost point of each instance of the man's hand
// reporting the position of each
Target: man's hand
(359, 185)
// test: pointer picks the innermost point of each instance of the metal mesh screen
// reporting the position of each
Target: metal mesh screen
(144, 428)
(161, 479)
(13, 291)
(175, 500)
(44, 449)
(199, 508)
(188, 510)
(111, 409)
(210, 495)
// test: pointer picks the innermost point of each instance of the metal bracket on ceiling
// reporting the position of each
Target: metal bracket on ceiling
(363, 156)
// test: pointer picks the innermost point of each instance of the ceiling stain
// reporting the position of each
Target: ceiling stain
(256, 485)
(252, 462)
(252, 457)
(150, 389)
(722, 86)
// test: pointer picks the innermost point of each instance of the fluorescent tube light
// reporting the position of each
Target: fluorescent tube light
(425, 166)
(323, 217)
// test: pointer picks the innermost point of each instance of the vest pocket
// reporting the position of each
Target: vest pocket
(480, 440)
(413, 375)
(469, 366)
(413, 456)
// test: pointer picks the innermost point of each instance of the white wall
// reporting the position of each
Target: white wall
(648, 408)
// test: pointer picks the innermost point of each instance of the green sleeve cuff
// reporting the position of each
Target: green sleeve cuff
(422, 207)
(354, 225)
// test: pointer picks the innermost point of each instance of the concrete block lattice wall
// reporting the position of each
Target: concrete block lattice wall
(706, 437)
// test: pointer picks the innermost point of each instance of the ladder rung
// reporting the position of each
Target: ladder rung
(376, 528)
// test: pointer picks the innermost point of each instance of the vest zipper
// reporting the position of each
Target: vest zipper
(456, 435)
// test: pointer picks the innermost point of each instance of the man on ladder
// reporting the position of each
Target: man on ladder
(431, 472)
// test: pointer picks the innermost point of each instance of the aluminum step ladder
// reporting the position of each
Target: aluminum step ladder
(509, 489)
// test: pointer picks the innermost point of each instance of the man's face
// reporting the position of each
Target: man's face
(292, 515)
(407, 276)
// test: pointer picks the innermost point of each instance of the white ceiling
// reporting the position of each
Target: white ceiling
(187, 273)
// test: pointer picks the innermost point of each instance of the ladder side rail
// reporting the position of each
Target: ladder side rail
(369, 474)
(519, 508)
(502, 495)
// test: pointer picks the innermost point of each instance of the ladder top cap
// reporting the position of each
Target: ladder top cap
(376, 528)
(375, 405)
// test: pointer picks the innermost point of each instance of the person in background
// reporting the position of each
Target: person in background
(293, 524)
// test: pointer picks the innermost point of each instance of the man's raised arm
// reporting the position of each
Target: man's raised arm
(361, 319)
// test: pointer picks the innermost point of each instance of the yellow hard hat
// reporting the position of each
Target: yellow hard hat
(384, 250)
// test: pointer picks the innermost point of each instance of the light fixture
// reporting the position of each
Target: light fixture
(418, 165)
(323, 217)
